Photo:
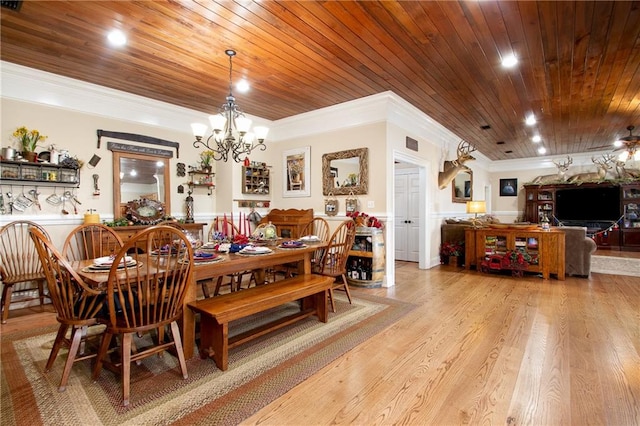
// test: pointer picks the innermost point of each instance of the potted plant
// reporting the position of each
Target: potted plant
(206, 157)
(451, 252)
(29, 141)
(363, 219)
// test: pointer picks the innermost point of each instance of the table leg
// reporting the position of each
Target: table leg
(189, 322)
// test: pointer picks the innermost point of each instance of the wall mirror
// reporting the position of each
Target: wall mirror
(462, 187)
(138, 176)
(345, 172)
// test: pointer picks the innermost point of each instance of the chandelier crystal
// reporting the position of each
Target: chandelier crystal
(230, 120)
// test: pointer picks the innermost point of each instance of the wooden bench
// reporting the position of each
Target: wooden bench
(217, 312)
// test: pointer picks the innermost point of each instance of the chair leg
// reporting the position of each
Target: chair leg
(346, 288)
(126, 367)
(177, 340)
(6, 301)
(333, 303)
(76, 338)
(57, 344)
(102, 353)
(205, 288)
(41, 291)
(218, 285)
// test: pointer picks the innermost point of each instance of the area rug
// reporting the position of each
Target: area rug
(259, 372)
(615, 265)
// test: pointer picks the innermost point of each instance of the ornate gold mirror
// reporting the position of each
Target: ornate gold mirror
(462, 187)
(345, 172)
(138, 176)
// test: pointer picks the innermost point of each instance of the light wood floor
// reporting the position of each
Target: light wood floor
(479, 349)
(483, 349)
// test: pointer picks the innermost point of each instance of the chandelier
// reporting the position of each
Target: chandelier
(230, 120)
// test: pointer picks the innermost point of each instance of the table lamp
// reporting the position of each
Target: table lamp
(476, 207)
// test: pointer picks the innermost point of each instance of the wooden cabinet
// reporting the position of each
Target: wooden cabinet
(366, 263)
(256, 180)
(41, 174)
(630, 223)
(202, 179)
(546, 248)
(540, 203)
(290, 223)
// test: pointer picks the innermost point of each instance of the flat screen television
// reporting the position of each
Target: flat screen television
(593, 204)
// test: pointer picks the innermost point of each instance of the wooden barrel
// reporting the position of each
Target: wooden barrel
(367, 257)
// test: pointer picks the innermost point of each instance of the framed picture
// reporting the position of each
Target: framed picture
(508, 187)
(296, 170)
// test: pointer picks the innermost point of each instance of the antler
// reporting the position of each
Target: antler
(564, 165)
(605, 162)
(464, 149)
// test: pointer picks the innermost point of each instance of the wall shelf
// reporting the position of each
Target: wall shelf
(201, 179)
(256, 180)
(21, 173)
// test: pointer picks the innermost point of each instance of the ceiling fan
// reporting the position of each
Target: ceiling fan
(630, 143)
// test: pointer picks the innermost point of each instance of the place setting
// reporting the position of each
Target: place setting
(255, 251)
(200, 257)
(292, 244)
(103, 264)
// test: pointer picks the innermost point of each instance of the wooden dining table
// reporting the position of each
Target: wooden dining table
(230, 264)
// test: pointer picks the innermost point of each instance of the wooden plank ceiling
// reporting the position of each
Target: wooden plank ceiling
(578, 71)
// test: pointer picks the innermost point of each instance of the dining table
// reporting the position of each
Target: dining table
(224, 264)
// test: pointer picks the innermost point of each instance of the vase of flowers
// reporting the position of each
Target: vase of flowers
(28, 140)
(206, 158)
(363, 219)
(451, 252)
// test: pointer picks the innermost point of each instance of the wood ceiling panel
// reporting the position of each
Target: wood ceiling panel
(579, 69)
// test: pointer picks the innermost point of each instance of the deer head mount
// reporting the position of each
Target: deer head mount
(603, 164)
(453, 167)
(561, 176)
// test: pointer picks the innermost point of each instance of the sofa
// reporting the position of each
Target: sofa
(578, 250)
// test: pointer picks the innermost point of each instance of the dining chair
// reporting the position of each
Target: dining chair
(144, 297)
(334, 259)
(20, 265)
(77, 305)
(91, 241)
(319, 227)
(224, 226)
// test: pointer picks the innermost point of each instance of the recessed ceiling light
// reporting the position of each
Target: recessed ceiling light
(500, 143)
(117, 38)
(508, 152)
(536, 138)
(542, 150)
(530, 120)
(485, 127)
(509, 61)
(242, 86)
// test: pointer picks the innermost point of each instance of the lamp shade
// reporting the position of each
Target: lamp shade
(476, 207)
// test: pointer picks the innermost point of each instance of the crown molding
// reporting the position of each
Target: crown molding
(40, 87)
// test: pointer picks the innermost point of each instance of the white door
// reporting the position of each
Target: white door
(407, 218)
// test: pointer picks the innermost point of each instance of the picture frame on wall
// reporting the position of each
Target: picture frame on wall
(296, 172)
(509, 187)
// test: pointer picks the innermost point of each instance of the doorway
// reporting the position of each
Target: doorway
(407, 214)
(415, 209)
